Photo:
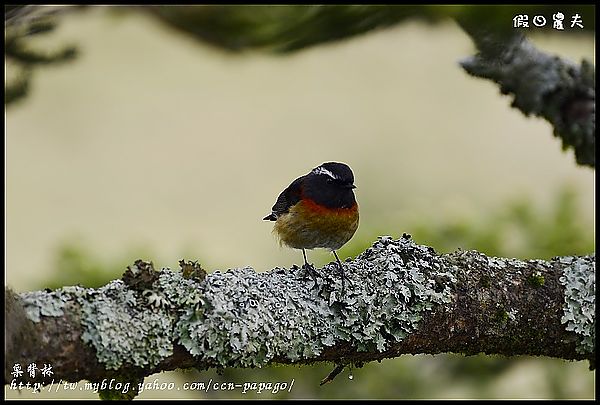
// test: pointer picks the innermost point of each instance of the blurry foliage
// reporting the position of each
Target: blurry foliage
(279, 29)
(517, 230)
(559, 231)
(407, 377)
(294, 27)
(21, 23)
(76, 265)
(285, 28)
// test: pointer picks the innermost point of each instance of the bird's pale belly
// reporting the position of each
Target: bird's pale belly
(309, 226)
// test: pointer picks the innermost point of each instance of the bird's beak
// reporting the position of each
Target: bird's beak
(350, 186)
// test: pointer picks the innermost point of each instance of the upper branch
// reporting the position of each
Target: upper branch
(401, 298)
(547, 86)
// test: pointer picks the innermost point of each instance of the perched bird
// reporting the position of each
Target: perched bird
(318, 210)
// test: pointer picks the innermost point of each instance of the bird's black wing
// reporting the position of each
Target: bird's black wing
(288, 197)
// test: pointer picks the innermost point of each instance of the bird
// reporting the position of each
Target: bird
(317, 210)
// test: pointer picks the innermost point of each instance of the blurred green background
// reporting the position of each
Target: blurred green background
(150, 144)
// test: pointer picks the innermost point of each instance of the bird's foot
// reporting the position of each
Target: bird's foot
(344, 278)
(310, 271)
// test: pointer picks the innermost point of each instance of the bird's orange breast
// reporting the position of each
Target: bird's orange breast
(312, 206)
(309, 225)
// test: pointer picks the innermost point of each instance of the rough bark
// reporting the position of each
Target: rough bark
(401, 298)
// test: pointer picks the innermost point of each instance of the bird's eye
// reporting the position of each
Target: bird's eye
(329, 180)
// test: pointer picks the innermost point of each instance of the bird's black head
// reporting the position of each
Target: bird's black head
(338, 174)
(331, 184)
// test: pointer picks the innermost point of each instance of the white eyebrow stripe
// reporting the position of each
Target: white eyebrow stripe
(322, 170)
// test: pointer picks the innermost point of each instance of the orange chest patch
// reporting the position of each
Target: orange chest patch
(312, 207)
(310, 225)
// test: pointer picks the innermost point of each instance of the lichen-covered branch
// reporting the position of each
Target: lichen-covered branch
(401, 298)
(547, 86)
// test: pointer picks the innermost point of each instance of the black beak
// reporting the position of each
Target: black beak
(350, 186)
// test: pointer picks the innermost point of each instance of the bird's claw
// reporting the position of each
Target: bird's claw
(310, 271)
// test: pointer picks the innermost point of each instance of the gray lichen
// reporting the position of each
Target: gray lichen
(38, 303)
(124, 326)
(244, 318)
(123, 332)
(252, 317)
(580, 300)
(49, 303)
(241, 318)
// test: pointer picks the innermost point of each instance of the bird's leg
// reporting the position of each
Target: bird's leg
(341, 267)
(310, 269)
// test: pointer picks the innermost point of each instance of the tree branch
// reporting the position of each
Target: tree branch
(547, 86)
(401, 298)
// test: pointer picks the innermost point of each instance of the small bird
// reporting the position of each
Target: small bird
(318, 210)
